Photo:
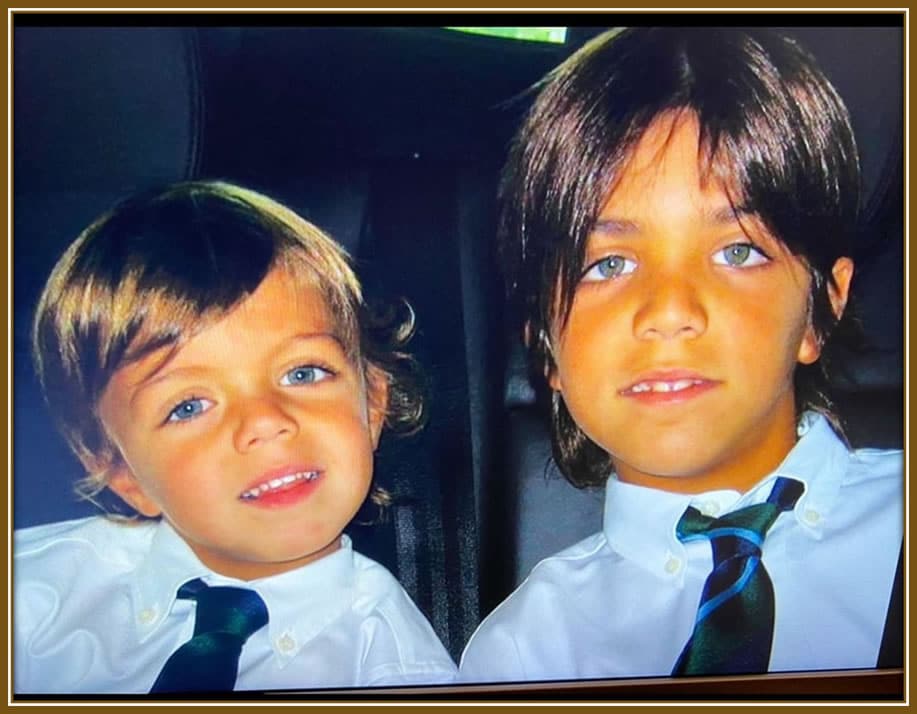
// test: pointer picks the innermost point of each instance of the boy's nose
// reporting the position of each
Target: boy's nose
(263, 421)
(672, 309)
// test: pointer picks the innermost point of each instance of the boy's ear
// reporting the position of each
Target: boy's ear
(376, 401)
(838, 292)
(122, 481)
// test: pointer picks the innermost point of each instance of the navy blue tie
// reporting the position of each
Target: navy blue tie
(224, 619)
(735, 619)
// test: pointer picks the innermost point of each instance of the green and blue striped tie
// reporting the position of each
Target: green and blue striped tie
(735, 619)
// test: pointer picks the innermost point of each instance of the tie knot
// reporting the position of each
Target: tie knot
(750, 524)
(230, 610)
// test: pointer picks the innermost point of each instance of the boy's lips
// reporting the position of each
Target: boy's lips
(278, 481)
(668, 386)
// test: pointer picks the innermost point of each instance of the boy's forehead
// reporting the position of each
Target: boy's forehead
(670, 136)
(283, 307)
(669, 156)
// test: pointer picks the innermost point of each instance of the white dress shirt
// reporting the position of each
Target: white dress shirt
(622, 603)
(95, 611)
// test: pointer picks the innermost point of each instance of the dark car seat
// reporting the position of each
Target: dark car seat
(99, 112)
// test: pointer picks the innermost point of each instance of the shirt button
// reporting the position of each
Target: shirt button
(672, 565)
(709, 508)
(286, 644)
(146, 616)
(812, 517)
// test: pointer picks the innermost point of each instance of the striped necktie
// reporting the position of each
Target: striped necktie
(209, 662)
(735, 619)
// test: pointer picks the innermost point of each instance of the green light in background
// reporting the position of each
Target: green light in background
(532, 34)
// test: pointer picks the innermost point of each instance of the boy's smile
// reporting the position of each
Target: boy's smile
(686, 327)
(254, 439)
(285, 485)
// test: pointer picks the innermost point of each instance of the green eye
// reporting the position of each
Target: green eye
(608, 268)
(740, 255)
(737, 254)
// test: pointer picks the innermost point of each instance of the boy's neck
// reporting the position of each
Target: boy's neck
(254, 570)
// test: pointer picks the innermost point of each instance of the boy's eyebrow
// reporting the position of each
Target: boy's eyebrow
(615, 226)
(729, 214)
(623, 226)
(157, 375)
(333, 336)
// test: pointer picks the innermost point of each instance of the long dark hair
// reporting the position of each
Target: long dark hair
(772, 129)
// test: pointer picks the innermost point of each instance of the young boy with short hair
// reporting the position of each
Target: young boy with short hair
(205, 353)
(678, 210)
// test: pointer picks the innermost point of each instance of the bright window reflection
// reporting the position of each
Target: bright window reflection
(532, 34)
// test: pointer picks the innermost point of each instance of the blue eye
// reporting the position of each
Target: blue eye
(608, 268)
(304, 374)
(188, 409)
(740, 255)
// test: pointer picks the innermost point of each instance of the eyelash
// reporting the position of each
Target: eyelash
(174, 418)
(328, 372)
(594, 266)
(752, 248)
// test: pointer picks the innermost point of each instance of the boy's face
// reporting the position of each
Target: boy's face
(255, 439)
(685, 329)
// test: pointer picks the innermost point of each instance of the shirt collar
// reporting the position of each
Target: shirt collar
(168, 564)
(639, 522)
(819, 460)
(303, 602)
(300, 603)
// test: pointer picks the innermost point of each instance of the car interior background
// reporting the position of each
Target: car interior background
(391, 139)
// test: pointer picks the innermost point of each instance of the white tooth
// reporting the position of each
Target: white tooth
(682, 384)
(640, 387)
(276, 483)
(662, 387)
